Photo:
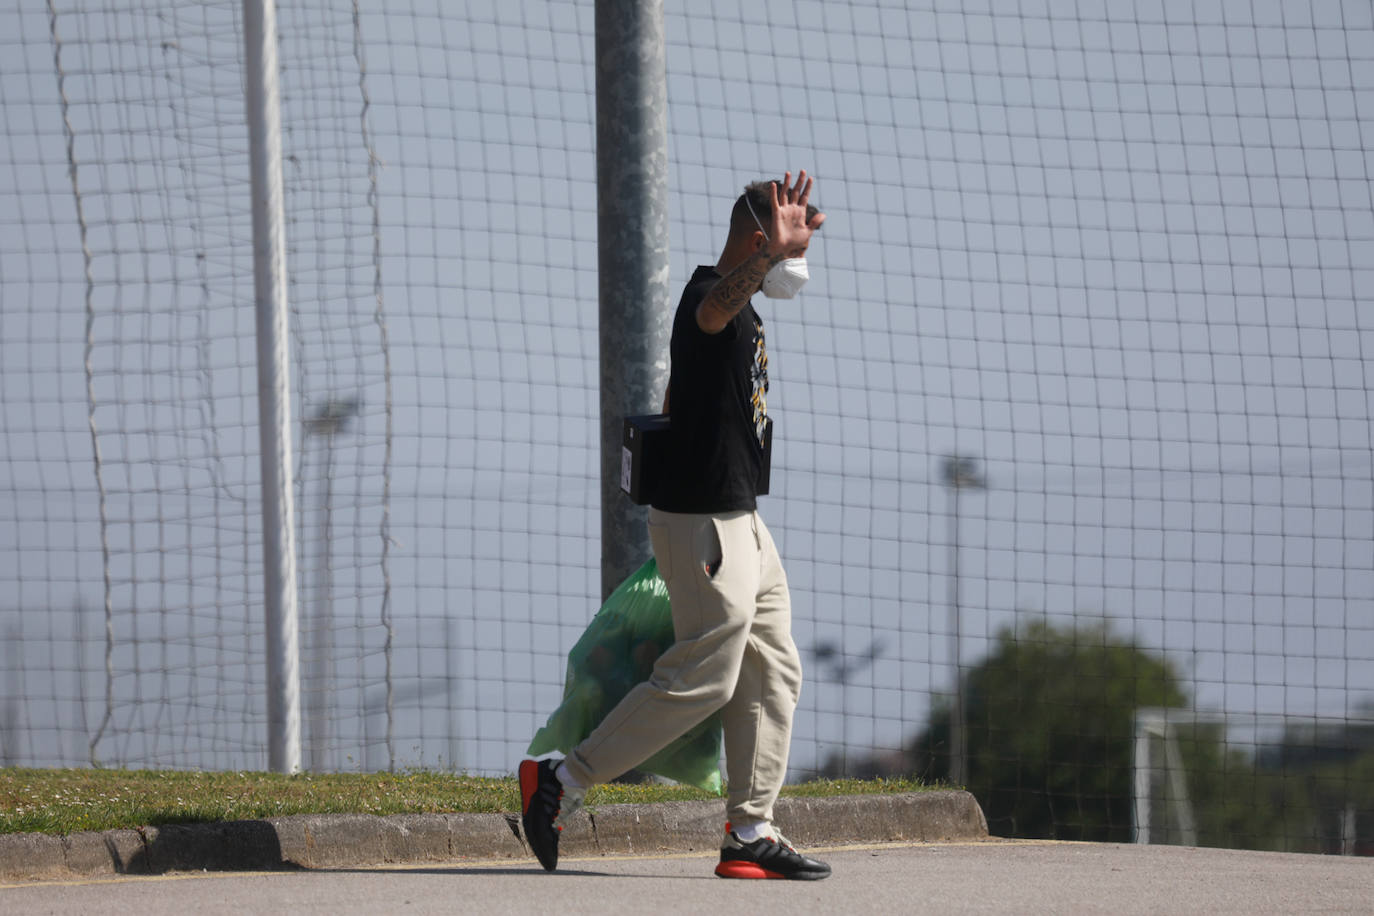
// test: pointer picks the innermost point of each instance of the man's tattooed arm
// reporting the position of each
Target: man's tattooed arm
(728, 297)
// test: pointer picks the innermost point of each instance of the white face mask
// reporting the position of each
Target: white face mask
(785, 278)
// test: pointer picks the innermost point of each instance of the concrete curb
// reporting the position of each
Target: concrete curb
(349, 840)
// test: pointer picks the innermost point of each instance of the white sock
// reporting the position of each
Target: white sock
(569, 784)
(751, 832)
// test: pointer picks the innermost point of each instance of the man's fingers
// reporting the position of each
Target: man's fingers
(797, 193)
(783, 190)
(788, 194)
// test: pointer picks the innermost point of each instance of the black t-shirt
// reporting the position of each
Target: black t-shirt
(717, 397)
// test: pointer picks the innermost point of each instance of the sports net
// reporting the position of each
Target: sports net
(1073, 417)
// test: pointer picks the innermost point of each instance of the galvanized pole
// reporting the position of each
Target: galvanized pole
(958, 742)
(632, 227)
(332, 418)
(263, 104)
(959, 473)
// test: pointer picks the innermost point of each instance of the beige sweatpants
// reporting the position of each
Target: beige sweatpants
(732, 618)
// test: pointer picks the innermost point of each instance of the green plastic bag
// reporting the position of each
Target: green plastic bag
(617, 651)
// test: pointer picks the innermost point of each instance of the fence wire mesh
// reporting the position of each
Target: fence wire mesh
(1074, 417)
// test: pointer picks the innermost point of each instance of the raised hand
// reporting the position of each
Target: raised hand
(790, 232)
(743, 267)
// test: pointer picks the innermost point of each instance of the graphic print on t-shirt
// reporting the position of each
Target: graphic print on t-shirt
(758, 373)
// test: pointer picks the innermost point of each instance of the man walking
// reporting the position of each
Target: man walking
(732, 615)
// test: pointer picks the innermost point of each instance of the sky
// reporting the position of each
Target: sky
(1116, 253)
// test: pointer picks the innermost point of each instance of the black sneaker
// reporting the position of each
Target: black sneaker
(767, 857)
(540, 796)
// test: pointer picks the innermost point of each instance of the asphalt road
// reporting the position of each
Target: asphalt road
(980, 877)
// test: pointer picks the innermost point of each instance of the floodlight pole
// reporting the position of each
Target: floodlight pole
(330, 419)
(632, 238)
(263, 107)
(959, 473)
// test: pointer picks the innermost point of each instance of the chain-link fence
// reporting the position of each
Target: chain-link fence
(1073, 419)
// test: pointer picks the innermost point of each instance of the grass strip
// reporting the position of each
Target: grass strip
(75, 800)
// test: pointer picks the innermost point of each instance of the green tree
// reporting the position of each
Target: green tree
(1050, 719)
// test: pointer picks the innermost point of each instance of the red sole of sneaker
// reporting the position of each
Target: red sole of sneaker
(744, 870)
(529, 782)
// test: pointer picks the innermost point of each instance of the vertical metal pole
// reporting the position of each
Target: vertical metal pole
(331, 419)
(957, 746)
(959, 472)
(320, 651)
(263, 104)
(632, 230)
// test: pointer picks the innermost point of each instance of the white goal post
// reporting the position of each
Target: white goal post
(1151, 725)
(1166, 805)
